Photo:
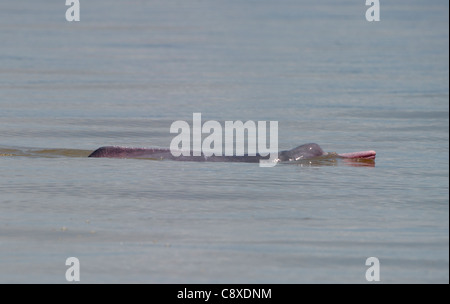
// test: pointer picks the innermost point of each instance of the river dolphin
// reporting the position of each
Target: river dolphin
(306, 151)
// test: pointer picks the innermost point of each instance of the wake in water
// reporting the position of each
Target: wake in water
(45, 153)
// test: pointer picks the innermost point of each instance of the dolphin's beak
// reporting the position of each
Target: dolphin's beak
(361, 154)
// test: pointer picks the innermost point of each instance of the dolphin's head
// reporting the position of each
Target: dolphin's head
(301, 152)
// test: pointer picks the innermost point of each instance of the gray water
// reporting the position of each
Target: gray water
(129, 69)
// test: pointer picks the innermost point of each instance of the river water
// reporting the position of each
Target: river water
(128, 70)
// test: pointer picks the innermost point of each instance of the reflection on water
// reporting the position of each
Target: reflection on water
(332, 159)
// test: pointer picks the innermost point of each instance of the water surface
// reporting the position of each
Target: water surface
(126, 71)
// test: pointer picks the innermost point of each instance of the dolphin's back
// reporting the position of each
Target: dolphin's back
(301, 152)
(124, 152)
